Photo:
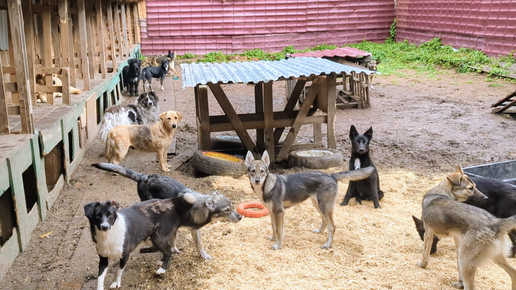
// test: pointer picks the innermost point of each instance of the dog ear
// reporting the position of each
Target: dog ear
(179, 116)
(89, 208)
(114, 204)
(369, 133)
(249, 158)
(352, 132)
(458, 169)
(210, 204)
(265, 158)
(454, 178)
(162, 116)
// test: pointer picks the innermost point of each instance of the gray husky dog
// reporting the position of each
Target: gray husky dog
(280, 191)
(479, 236)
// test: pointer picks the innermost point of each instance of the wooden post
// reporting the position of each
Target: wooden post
(54, 29)
(28, 19)
(65, 78)
(124, 29)
(46, 50)
(203, 118)
(64, 32)
(268, 114)
(71, 52)
(81, 12)
(136, 23)
(129, 25)
(91, 39)
(331, 82)
(111, 35)
(118, 31)
(258, 105)
(4, 117)
(22, 68)
(101, 35)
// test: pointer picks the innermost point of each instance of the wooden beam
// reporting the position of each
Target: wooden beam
(28, 18)
(64, 33)
(136, 23)
(331, 82)
(92, 47)
(56, 38)
(4, 118)
(118, 31)
(111, 35)
(46, 50)
(71, 51)
(258, 105)
(268, 119)
(124, 29)
(226, 106)
(65, 78)
(22, 69)
(129, 26)
(203, 118)
(101, 35)
(83, 34)
(291, 104)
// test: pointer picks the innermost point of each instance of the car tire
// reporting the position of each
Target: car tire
(216, 163)
(316, 158)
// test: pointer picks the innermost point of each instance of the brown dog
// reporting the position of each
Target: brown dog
(148, 138)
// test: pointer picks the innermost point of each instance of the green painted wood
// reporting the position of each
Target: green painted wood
(38, 163)
(8, 253)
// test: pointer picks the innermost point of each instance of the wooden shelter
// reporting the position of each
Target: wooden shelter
(49, 49)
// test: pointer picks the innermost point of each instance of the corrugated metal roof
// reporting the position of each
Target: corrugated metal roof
(260, 71)
(340, 52)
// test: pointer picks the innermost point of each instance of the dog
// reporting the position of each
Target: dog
(145, 110)
(131, 73)
(148, 138)
(157, 72)
(57, 82)
(479, 236)
(117, 233)
(501, 202)
(280, 191)
(157, 186)
(156, 61)
(368, 188)
(372, 65)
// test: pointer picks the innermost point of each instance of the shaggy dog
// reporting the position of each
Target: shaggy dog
(144, 111)
(131, 73)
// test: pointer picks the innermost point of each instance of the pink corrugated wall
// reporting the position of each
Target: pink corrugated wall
(204, 26)
(487, 25)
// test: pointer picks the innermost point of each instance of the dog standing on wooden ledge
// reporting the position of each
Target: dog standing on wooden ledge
(479, 236)
(368, 188)
(42, 97)
(148, 138)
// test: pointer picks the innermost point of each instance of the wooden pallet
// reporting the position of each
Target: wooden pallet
(504, 104)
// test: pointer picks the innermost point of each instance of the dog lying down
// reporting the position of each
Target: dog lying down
(479, 236)
(207, 208)
(147, 138)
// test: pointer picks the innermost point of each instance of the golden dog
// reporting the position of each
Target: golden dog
(148, 138)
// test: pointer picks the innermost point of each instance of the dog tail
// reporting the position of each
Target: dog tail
(354, 175)
(138, 177)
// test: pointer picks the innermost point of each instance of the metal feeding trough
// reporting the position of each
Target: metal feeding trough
(504, 171)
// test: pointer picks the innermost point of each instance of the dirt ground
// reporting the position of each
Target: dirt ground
(423, 127)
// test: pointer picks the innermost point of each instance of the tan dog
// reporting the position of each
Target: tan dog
(148, 138)
(479, 236)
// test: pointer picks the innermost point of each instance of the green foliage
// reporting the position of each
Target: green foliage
(187, 55)
(323, 47)
(392, 37)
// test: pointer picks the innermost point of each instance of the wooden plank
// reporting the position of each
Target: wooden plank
(331, 84)
(56, 38)
(65, 78)
(301, 115)
(4, 118)
(101, 35)
(233, 117)
(202, 114)
(71, 52)
(136, 23)
(118, 31)
(506, 98)
(64, 32)
(111, 35)
(258, 105)
(268, 119)
(129, 25)
(507, 106)
(20, 61)
(28, 19)
(81, 11)
(256, 122)
(92, 49)
(124, 30)
(46, 50)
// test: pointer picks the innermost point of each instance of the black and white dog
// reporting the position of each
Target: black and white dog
(157, 72)
(369, 188)
(117, 233)
(131, 73)
(144, 111)
(206, 209)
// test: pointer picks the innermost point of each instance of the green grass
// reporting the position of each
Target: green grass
(395, 57)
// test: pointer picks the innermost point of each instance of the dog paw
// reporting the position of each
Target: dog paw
(344, 203)
(175, 250)
(326, 246)
(165, 169)
(115, 285)
(316, 231)
(206, 256)
(275, 247)
(162, 88)
(271, 238)
(458, 285)
(161, 271)
(422, 264)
